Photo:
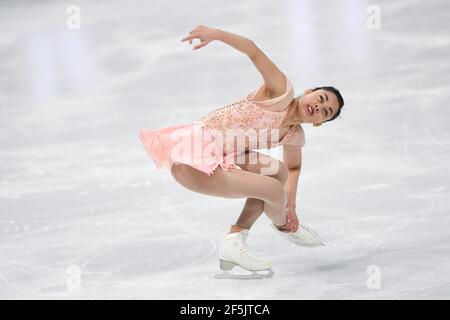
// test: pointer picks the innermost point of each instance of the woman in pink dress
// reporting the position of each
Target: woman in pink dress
(216, 154)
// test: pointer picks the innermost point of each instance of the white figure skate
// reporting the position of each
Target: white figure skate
(234, 252)
(304, 236)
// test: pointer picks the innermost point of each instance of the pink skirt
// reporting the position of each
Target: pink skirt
(188, 144)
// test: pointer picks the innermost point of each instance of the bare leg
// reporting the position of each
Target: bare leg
(236, 183)
(253, 207)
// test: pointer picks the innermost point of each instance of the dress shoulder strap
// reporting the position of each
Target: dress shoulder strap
(295, 137)
(279, 103)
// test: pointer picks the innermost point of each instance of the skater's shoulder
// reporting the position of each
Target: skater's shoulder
(264, 96)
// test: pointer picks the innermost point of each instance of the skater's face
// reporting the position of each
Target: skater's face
(317, 106)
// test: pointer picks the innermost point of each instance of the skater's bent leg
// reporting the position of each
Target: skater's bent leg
(253, 208)
(236, 183)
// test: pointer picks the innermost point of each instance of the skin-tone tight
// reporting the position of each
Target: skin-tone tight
(264, 192)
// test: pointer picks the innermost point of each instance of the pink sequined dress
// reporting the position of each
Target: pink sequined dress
(219, 137)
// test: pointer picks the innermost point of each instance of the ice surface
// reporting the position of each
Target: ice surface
(84, 213)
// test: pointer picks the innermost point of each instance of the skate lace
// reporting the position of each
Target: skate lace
(302, 235)
(245, 249)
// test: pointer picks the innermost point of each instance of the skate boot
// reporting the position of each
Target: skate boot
(234, 252)
(304, 236)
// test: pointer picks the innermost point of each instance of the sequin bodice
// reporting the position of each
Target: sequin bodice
(255, 123)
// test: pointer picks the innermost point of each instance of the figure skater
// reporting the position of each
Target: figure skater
(216, 155)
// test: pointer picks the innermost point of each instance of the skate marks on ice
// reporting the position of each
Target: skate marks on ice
(144, 261)
(125, 268)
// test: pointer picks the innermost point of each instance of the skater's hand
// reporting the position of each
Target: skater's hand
(204, 34)
(292, 220)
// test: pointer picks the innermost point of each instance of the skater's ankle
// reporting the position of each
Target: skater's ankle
(234, 228)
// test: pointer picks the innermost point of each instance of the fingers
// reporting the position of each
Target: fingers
(296, 224)
(192, 35)
(292, 224)
(190, 38)
(293, 227)
(195, 29)
(195, 34)
(289, 228)
(201, 45)
(289, 224)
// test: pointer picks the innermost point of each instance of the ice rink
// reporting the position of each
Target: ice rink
(85, 214)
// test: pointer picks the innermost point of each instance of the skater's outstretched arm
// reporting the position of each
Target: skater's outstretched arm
(274, 79)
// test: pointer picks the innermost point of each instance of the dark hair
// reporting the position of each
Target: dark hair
(339, 99)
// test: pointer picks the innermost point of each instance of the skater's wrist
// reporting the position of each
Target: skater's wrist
(218, 34)
(291, 199)
(291, 205)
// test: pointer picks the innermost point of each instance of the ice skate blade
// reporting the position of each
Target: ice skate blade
(308, 245)
(227, 266)
(253, 275)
